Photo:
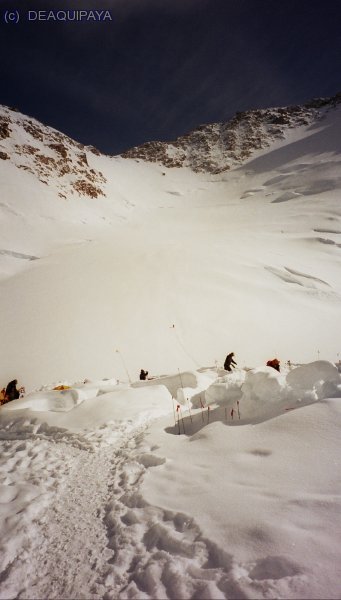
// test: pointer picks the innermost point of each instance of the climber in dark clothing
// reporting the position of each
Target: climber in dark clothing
(143, 375)
(11, 391)
(229, 362)
(274, 363)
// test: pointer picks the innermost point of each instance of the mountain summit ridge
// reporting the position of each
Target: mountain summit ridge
(247, 260)
(47, 153)
(210, 148)
(218, 147)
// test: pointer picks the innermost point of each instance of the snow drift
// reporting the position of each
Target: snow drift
(110, 493)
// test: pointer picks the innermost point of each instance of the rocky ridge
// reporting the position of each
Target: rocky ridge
(218, 147)
(48, 154)
(212, 148)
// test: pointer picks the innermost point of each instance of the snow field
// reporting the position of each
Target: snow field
(256, 251)
(267, 494)
(99, 494)
(85, 496)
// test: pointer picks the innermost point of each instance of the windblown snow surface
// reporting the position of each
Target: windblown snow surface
(197, 483)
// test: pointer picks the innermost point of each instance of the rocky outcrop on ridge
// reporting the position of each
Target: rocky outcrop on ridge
(217, 147)
(49, 155)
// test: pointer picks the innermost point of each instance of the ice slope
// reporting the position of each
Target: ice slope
(246, 260)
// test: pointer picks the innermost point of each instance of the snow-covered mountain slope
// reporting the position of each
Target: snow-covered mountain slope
(52, 190)
(48, 154)
(246, 260)
(217, 147)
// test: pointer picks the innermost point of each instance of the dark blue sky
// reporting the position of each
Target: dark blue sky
(162, 67)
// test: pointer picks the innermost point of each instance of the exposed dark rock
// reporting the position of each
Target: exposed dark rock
(87, 189)
(33, 130)
(217, 147)
(94, 150)
(4, 128)
(63, 156)
(60, 149)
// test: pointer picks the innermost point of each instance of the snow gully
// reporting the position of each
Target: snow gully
(69, 15)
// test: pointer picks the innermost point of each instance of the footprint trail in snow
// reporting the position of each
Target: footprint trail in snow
(95, 536)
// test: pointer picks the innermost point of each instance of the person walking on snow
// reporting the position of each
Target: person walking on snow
(229, 362)
(11, 391)
(274, 363)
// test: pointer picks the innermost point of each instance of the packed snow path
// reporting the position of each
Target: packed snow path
(225, 511)
(98, 538)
